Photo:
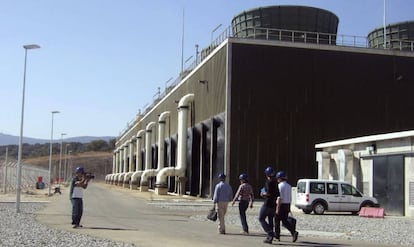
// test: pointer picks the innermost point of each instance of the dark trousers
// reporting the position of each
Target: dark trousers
(243, 205)
(77, 210)
(282, 216)
(269, 213)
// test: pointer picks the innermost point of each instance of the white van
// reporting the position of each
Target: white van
(319, 195)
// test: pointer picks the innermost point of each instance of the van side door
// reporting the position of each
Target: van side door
(351, 198)
(333, 197)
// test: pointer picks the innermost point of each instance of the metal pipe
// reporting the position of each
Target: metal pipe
(179, 170)
(161, 146)
(138, 169)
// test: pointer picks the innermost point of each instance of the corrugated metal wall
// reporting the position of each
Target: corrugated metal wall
(285, 100)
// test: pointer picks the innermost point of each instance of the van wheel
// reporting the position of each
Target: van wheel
(319, 208)
(306, 211)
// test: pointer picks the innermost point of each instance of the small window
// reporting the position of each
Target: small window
(346, 189)
(301, 187)
(317, 188)
(332, 188)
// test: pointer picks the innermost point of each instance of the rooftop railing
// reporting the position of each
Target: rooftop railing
(273, 34)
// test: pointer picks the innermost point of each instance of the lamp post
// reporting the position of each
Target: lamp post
(60, 157)
(66, 163)
(50, 152)
(19, 156)
(70, 163)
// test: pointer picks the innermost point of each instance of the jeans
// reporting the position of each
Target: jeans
(77, 210)
(243, 205)
(269, 213)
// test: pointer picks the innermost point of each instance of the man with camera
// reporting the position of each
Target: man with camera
(78, 184)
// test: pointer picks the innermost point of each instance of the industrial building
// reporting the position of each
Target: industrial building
(270, 88)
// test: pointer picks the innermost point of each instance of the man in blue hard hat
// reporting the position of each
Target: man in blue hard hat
(269, 192)
(245, 196)
(223, 194)
(283, 207)
(78, 184)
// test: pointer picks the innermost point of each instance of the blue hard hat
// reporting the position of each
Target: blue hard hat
(79, 170)
(281, 174)
(221, 176)
(269, 171)
(243, 176)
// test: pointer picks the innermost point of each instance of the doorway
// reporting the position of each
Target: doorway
(388, 184)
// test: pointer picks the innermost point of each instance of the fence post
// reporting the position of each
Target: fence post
(5, 178)
(5, 171)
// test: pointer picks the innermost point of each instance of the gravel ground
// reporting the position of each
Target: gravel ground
(23, 230)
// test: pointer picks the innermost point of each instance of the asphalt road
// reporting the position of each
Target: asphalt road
(130, 216)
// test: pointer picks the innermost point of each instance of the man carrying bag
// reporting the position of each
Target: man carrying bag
(283, 208)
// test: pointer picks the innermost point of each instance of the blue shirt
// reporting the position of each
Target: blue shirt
(223, 193)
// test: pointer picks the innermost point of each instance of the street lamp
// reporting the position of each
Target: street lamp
(60, 157)
(66, 162)
(70, 163)
(50, 152)
(19, 156)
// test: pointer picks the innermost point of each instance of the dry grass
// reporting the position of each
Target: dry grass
(99, 163)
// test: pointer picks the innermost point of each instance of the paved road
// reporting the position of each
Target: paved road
(130, 216)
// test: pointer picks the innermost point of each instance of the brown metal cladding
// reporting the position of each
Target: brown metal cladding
(284, 100)
(209, 97)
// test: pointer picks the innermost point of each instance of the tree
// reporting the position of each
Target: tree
(98, 145)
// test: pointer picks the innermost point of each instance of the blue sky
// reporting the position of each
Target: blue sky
(102, 60)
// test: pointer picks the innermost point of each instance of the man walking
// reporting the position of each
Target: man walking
(245, 196)
(283, 206)
(270, 192)
(223, 194)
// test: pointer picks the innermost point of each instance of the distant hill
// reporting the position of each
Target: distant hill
(6, 139)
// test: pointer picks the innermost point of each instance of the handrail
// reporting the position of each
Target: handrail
(274, 34)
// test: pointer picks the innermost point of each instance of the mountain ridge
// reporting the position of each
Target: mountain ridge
(6, 139)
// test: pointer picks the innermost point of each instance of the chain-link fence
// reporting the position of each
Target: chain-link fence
(29, 177)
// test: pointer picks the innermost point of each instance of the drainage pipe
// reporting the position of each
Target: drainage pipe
(125, 167)
(161, 146)
(131, 156)
(148, 151)
(138, 169)
(179, 170)
(109, 176)
(116, 152)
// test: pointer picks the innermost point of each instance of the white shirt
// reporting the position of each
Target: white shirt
(285, 192)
